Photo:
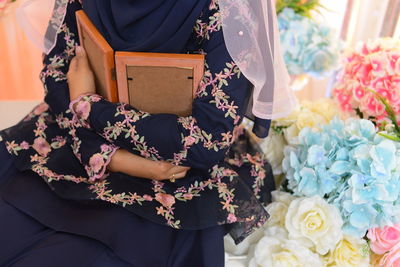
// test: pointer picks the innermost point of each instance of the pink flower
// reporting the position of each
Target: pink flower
(358, 93)
(147, 198)
(231, 218)
(24, 145)
(166, 200)
(384, 239)
(189, 140)
(41, 146)
(96, 162)
(392, 258)
(40, 108)
(82, 109)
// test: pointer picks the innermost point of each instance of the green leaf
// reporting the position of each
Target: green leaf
(390, 137)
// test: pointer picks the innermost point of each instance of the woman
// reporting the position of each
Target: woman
(130, 188)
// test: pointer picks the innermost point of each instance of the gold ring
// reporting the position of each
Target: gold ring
(172, 180)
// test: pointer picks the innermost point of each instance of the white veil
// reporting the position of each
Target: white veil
(251, 36)
(41, 19)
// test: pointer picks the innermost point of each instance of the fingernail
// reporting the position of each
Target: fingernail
(79, 50)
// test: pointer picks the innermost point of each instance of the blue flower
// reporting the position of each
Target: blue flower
(352, 167)
(308, 46)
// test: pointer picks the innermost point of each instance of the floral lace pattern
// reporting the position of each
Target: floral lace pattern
(74, 130)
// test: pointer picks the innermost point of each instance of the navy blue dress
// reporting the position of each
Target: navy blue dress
(54, 181)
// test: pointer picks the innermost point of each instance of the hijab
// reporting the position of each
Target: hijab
(145, 25)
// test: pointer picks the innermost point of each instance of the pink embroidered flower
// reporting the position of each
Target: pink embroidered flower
(40, 109)
(105, 148)
(231, 218)
(189, 140)
(166, 200)
(147, 198)
(82, 109)
(384, 239)
(41, 146)
(392, 258)
(96, 162)
(24, 145)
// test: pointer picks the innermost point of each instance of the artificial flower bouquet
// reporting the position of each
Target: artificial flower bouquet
(302, 231)
(371, 71)
(308, 46)
(340, 204)
(286, 130)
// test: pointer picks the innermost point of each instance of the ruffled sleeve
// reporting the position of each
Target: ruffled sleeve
(199, 141)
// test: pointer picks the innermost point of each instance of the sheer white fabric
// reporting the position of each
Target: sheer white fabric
(251, 36)
(35, 17)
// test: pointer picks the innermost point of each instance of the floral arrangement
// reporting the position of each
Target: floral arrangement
(385, 243)
(4, 4)
(308, 46)
(301, 7)
(372, 69)
(286, 130)
(302, 231)
(351, 166)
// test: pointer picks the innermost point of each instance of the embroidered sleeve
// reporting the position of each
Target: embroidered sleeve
(90, 149)
(200, 140)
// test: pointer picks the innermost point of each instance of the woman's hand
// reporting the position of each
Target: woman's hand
(80, 76)
(133, 165)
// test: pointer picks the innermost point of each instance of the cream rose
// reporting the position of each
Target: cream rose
(276, 250)
(309, 119)
(291, 133)
(243, 247)
(349, 252)
(314, 222)
(278, 208)
(326, 107)
(273, 149)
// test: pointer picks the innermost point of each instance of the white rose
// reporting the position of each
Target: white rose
(291, 133)
(309, 119)
(284, 197)
(234, 263)
(278, 208)
(349, 252)
(278, 251)
(273, 147)
(243, 247)
(325, 107)
(313, 221)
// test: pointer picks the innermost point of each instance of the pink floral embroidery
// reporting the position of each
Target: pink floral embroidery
(166, 200)
(41, 146)
(24, 145)
(96, 162)
(231, 218)
(82, 109)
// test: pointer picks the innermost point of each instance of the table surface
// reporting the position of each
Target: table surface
(12, 112)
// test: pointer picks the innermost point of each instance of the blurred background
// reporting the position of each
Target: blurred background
(348, 22)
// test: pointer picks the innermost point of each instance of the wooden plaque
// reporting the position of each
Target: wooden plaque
(151, 82)
(100, 55)
(158, 82)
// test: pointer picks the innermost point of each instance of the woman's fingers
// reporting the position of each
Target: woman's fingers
(83, 63)
(178, 175)
(73, 65)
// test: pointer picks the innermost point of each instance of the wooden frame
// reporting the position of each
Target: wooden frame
(124, 59)
(100, 55)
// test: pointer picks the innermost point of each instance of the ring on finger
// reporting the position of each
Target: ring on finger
(172, 180)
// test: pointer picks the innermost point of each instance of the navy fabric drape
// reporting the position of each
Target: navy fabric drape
(145, 26)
